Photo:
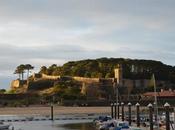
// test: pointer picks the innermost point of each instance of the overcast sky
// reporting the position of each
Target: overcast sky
(45, 32)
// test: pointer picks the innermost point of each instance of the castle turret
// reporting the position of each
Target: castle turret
(118, 74)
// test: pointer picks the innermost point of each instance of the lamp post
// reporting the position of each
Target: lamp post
(129, 113)
(150, 106)
(122, 104)
(167, 111)
(138, 114)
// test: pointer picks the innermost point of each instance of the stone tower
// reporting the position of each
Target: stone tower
(118, 73)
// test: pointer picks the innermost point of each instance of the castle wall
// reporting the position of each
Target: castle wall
(142, 83)
(40, 84)
(91, 87)
(91, 90)
(86, 80)
(118, 74)
(44, 76)
(17, 83)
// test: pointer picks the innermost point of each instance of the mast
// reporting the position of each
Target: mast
(115, 86)
(156, 105)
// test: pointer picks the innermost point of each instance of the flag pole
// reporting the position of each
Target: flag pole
(156, 105)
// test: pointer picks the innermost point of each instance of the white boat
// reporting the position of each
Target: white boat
(114, 125)
(4, 126)
(102, 120)
(135, 128)
(121, 125)
(107, 125)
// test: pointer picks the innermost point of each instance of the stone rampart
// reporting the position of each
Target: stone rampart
(17, 83)
(44, 76)
(86, 80)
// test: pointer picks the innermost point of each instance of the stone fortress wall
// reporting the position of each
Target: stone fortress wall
(44, 76)
(90, 86)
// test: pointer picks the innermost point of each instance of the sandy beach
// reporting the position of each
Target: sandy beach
(45, 110)
(57, 110)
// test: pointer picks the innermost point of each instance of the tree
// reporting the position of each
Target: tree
(2, 91)
(20, 70)
(28, 67)
(43, 70)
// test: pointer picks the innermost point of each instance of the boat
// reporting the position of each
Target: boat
(101, 119)
(121, 125)
(111, 124)
(135, 128)
(5, 126)
(106, 123)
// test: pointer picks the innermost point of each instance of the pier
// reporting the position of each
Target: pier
(145, 117)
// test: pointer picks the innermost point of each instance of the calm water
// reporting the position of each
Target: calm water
(56, 125)
(79, 126)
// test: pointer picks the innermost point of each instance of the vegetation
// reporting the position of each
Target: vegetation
(104, 68)
(2, 91)
(69, 89)
(20, 70)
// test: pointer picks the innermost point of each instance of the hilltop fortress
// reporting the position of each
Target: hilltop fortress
(95, 88)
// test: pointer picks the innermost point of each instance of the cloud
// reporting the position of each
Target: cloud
(45, 32)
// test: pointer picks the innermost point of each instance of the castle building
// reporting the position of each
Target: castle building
(118, 74)
(93, 88)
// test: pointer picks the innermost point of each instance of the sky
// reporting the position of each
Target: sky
(45, 32)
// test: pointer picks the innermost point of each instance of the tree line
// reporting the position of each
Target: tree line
(104, 68)
(21, 69)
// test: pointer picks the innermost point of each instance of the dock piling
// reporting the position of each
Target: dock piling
(138, 114)
(129, 113)
(112, 111)
(118, 110)
(150, 106)
(167, 107)
(122, 104)
(52, 112)
(115, 110)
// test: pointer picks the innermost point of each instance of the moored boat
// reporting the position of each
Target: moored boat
(4, 126)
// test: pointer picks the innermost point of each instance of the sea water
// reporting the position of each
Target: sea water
(54, 125)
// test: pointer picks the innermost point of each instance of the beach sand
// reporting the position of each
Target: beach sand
(45, 110)
(57, 110)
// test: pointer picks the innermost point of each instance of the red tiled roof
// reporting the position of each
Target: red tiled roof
(161, 94)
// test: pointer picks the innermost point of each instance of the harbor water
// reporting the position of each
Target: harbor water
(55, 125)
(61, 122)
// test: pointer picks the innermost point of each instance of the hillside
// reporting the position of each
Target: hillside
(104, 68)
(94, 80)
